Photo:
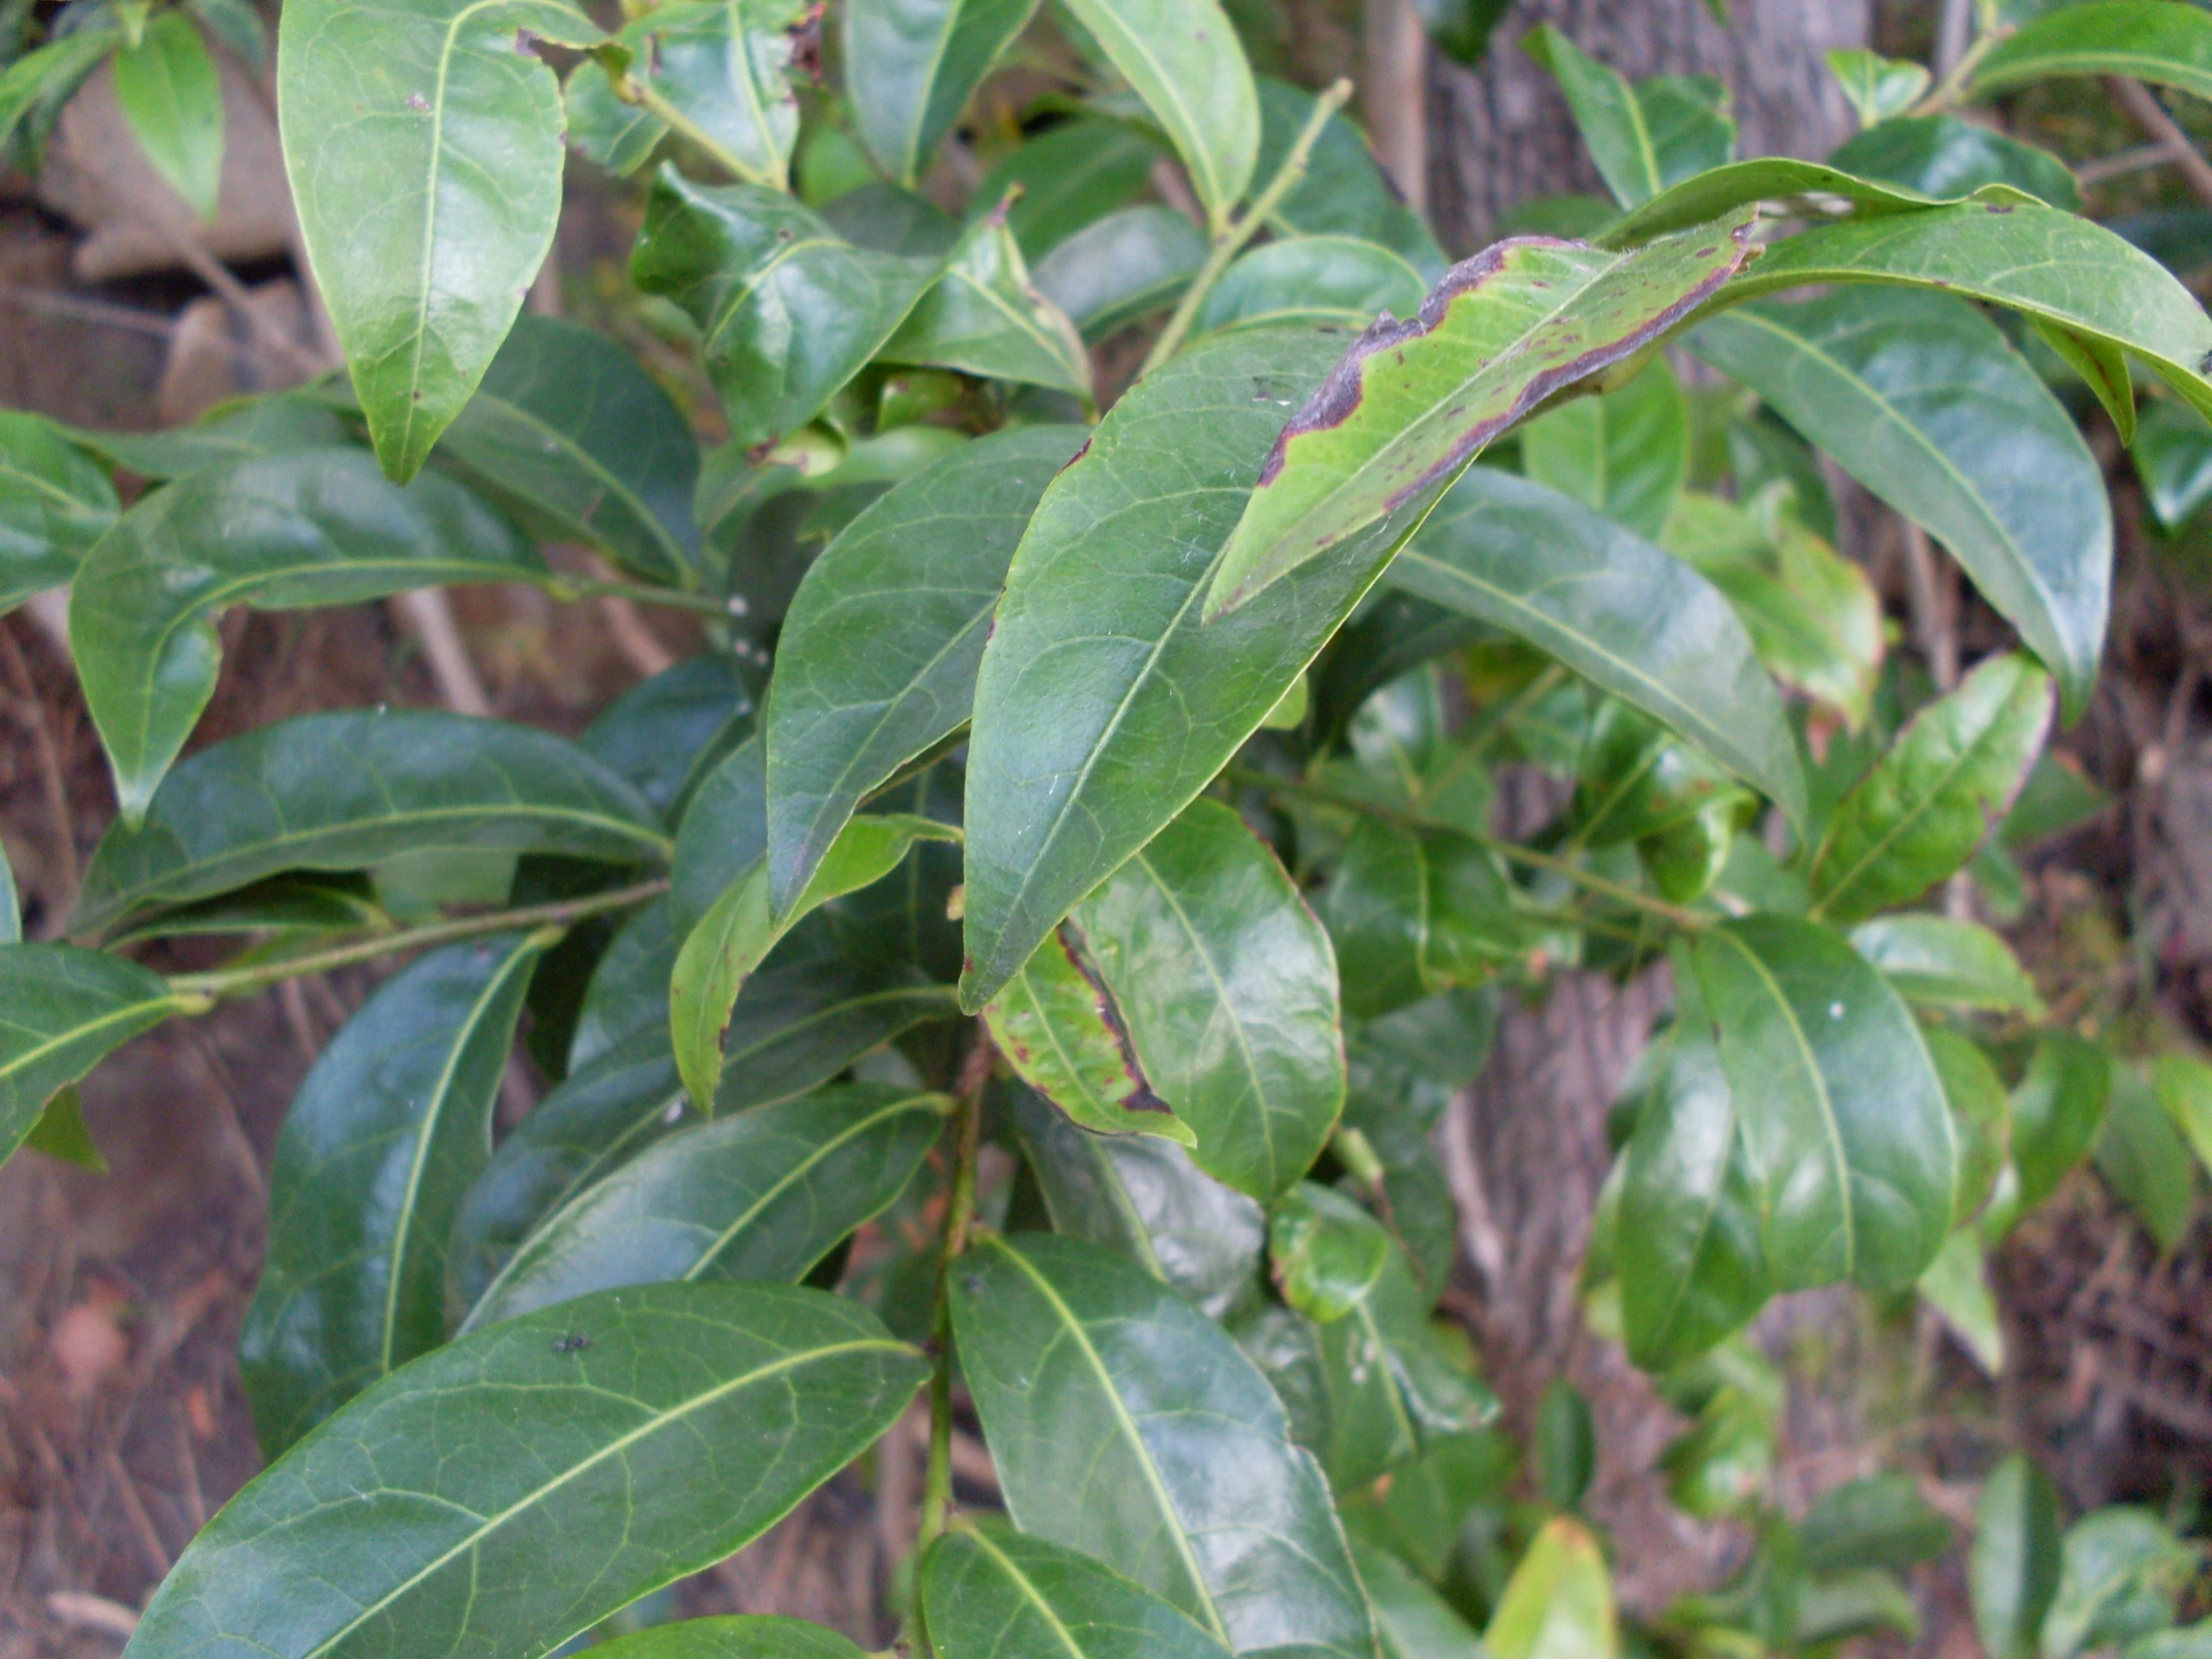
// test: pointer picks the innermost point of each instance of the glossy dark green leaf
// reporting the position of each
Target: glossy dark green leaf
(2172, 453)
(166, 88)
(825, 995)
(878, 657)
(1617, 123)
(1566, 1444)
(788, 310)
(60, 1132)
(55, 503)
(1878, 88)
(1929, 802)
(1102, 705)
(1124, 1424)
(1324, 1252)
(911, 66)
(983, 316)
(665, 734)
(666, 1427)
(1121, 267)
(1412, 1621)
(2144, 1160)
(994, 1593)
(1638, 780)
(1070, 176)
(2056, 1111)
(574, 438)
(415, 780)
(721, 72)
(1322, 282)
(724, 832)
(732, 1636)
(628, 990)
(762, 1195)
(1412, 401)
(1941, 963)
(254, 429)
(1345, 191)
(1143, 1197)
(1944, 158)
(602, 127)
(1847, 1135)
(285, 533)
(424, 145)
(2120, 1573)
(1980, 1112)
(2013, 1570)
(2150, 40)
(1227, 987)
(1613, 608)
(62, 1010)
(1416, 911)
(1921, 398)
(1559, 1602)
(1625, 454)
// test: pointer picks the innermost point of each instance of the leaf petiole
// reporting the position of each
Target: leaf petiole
(634, 90)
(644, 593)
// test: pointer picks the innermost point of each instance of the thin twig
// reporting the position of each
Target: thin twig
(959, 1214)
(641, 593)
(2159, 126)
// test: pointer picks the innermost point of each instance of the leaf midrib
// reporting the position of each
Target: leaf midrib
(77, 1033)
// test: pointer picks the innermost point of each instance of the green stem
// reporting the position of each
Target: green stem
(639, 593)
(1953, 85)
(233, 981)
(1241, 231)
(959, 1216)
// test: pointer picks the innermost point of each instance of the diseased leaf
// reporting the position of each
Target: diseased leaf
(1849, 1138)
(1124, 1424)
(990, 1592)
(982, 317)
(1809, 188)
(1613, 608)
(1645, 136)
(763, 1195)
(1121, 267)
(669, 1425)
(413, 781)
(380, 1143)
(56, 502)
(1625, 454)
(2158, 41)
(1413, 402)
(1921, 398)
(788, 310)
(424, 145)
(1560, 1602)
(1345, 191)
(1929, 802)
(1322, 282)
(2013, 1569)
(1941, 963)
(2056, 1110)
(1418, 911)
(285, 533)
(1944, 158)
(166, 88)
(911, 66)
(63, 1010)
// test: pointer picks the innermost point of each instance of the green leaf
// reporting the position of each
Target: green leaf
(2013, 1569)
(2184, 1088)
(2120, 1571)
(1124, 1424)
(722, 71)
(1414, 912)
(1877, 87)
(282, 424)
(1100, 626)
(982, 317)
(1183, 57)
(285, 533)
(1849, 1138)
(1957, 1286)
(1613, 608)
(11, 906)
(1121, 267)
(2144, 1160)
(1069, 176)
(669, 1425)
(1227, 987)
(1413, 402)
(1981, 1111)
(2056, 1110)
(415, 780)
(763, 1195)
(822, 1000)
(989, 1592)
(1806, 189)
(603, 129)
(1324, 1252)
(1560, 1602)
(1937, 962)
(1413, 1621)
(911, 66)
(1919, 397)
(61, 1011)
(575, 439)
(1625, 454)
(1643, 138)
(424, 145)
(1929, 802)
(1566, 1444)
(2193, 1642)
(2165, 43)
(1058, 1028)
(166, 88)
(60, 1132)
(1943, 159)
(665, 734)
(628, 992)
(1322, 282)
(722, 835)
(56, 502)
(2172, 453)
(732, 1636)
(1880, 1521)
(35, 86)
(380, 1143)
(733, 937)
(878, 656)
(1638, 780)
(1344, 192)
(788, 310)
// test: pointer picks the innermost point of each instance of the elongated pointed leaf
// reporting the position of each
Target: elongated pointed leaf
(1624, 455)
(763, 1195)
(2012, 1572)
(878, 656)
(1345, 191)
(281, 423)
(983, 316)
(1645, 136)
(1124, 1424)
(788, 310)
(1929, 802)
(1849, 1137)
(994, 1593)
(1184, 59)
(2056, 1110)
(570, 435)
(56, 502)
(2159, 41)
(1981, 1113)
(1228, 986)
(734, 1636)
(1875, 87)
(1318, 282)
(1942, 963)
(628, 992)
(35, 86)
(1613, 608)
(1121, 269)
(1412, 401)
(1413, 1621)
(1102, 705)
(912, 65)
(62, 1010)
(168, 93)
(383, 1140)
(820, 1002)
(412, 780)
(724, 832)
(285, 533)
(724, 69)
(1414, 911)
(668, 1425)
(424, 145)
(1921, 398)
(11, 906)
(2144, 1161)
(1560, 1602)
(1944, 158)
